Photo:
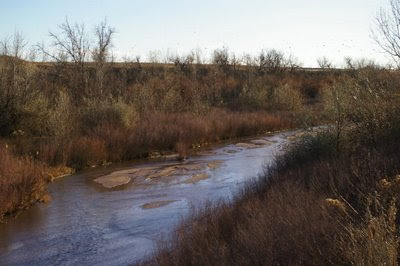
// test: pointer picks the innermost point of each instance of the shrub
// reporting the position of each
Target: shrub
(115, 112)
(286, 97)
(86, 151)
(368, 103)
(375, 241)
(22, 182)
(61, 117)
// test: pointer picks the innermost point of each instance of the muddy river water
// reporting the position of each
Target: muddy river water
(115, 215)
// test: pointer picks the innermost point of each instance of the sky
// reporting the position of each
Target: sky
(305, 29)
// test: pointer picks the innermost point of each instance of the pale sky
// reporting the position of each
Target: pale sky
(307, 29)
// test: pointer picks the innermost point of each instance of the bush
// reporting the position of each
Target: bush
(116, 112)
(286, 97)
(86, 151)
(369, 103)
(61, 117)
(22, 182)
(314, 206)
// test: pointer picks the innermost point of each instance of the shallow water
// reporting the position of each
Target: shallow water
(88, 224)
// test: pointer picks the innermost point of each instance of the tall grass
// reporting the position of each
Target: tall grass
(314, 211)
(110, 142)
(317, 204)
(22, 182)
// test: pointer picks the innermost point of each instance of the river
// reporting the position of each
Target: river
(87, 223)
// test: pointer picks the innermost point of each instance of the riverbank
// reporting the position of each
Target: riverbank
(64, 117)
(330, 199)
(88, 223)
(169, 138)
(312, 206)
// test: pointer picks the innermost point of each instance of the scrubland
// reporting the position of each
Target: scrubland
(66, 114)
(330, 198)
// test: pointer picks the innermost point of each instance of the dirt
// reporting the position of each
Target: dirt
(112, 181)
(214, 165)
(157, 204)
(231, 151)
(168, 171)
(246, 145)
(196, 178)
(124, 177)
(261, 142)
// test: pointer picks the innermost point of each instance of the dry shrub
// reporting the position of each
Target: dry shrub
(286, 97)
(368, 102)
(22, 183)
(116, 141)
(155, 132)
(178, 132)
(288, 226)
(115, 112)
(311, 207)
(375, 241)
(87, 151)
(182, 149)
(61, 118)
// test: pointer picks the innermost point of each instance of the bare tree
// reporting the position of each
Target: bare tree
(103, 35)
(234, 61)
(16, 77)
(71, 44)
(324, 63)
(182, 63)
(101, 53)
(220, 58)
(247, 60)
(361, 63)
(198, 55)
(387, 32)
(272, 61)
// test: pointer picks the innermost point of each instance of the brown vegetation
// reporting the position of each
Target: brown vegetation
(331, 198)
(22, 183)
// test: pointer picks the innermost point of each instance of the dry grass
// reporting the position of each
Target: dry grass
(22, 183)
(317, 205)
(288, 226)
(109, 142)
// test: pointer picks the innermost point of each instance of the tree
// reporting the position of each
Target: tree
(220, 58)
(182, 63)
(71, 43)
(387, 32)
(71, 49)
(272, 61)
(103, 33)
(101, 53)
(324, 63)
(20, 101)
